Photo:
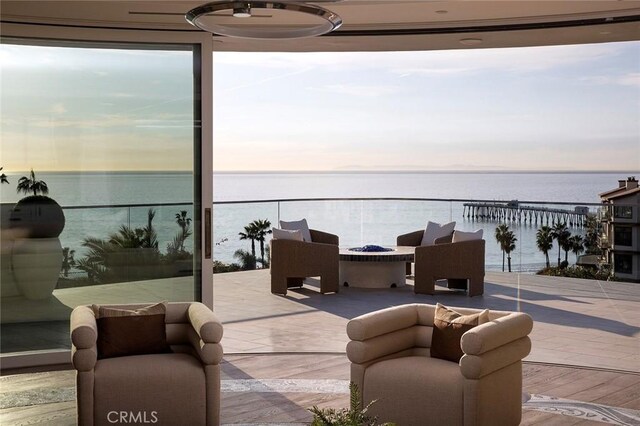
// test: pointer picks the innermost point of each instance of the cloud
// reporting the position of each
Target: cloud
(161, 123)
(362, 91)
(58, 108)
(431, 62)
(121, 95)
(629, 79)
(259, 82)
(85, 123)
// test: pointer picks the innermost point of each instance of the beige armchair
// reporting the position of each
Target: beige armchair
(181, 387)
(293, 261)
(461, 263)
(391, 363)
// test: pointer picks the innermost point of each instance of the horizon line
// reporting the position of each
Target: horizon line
(358, 171)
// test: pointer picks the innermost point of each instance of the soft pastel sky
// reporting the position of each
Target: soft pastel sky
(543, 108)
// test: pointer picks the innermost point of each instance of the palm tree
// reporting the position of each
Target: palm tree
(250, 233)
(544, 241)
(31, 184)
(577, 245)
(184, 223)
(152, 236)
(3, 177)
(262, 228)
(182, 220)
(247, 260)
(95, 262)
(566, 247)
(592, 235)
(508, 245)
(119, 257)
(68, 261)
(561, 234)
(501, 231)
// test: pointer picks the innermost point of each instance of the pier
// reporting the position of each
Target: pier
(514, 212)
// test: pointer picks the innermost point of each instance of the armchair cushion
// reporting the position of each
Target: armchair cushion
(171, 386)
(436, 230)
(286, 234)
(459, 236)
(448, 328)
(301, 225)
(415, 390)
(124, 332)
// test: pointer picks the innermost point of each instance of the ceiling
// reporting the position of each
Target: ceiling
(368, 24)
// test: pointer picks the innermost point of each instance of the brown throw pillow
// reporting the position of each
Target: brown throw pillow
(448, 328)
(124, 332)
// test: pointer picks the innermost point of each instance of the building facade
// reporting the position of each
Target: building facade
(621, 228)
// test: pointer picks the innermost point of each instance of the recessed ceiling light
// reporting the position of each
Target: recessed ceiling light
(470, 41)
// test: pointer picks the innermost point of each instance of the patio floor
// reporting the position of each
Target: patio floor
(277, 389)
(576, 322)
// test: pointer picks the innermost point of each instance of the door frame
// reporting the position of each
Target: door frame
(203, 142)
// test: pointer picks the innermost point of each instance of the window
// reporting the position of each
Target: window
(622, 236)
(622, 263)
(623, 212)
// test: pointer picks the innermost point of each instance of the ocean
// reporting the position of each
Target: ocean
(357, 222)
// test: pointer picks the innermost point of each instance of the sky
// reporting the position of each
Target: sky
(540, 108)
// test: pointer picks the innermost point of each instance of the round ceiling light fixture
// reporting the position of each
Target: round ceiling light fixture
(311, 20)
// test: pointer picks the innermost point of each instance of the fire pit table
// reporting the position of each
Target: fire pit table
(364, 267)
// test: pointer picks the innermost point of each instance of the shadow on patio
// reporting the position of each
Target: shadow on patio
(577, 322)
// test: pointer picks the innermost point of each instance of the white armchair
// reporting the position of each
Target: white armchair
(391, 363)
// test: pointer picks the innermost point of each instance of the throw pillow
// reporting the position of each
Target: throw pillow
(298, 225)
(459, 236)
(124, 332)
(448, 328)
(436, 230)
(285, 234)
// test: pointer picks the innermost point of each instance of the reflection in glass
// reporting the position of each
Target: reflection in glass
(97, 190)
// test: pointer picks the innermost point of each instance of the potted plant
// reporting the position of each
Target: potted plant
(36, 222)
(36, 215)
(355, 415)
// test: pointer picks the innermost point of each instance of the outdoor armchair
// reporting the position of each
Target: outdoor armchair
(391, 364)
(293, 261)
(461, 263)
(178, 387)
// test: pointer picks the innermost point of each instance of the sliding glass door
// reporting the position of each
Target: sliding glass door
(101, 189)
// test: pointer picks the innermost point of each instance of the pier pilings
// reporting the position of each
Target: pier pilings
(513, 212)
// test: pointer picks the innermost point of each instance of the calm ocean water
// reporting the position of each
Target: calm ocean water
(356, 222)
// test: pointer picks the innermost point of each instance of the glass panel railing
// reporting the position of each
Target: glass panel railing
(359, 222)
(105, 245)
(231, 250)
(526, 220)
